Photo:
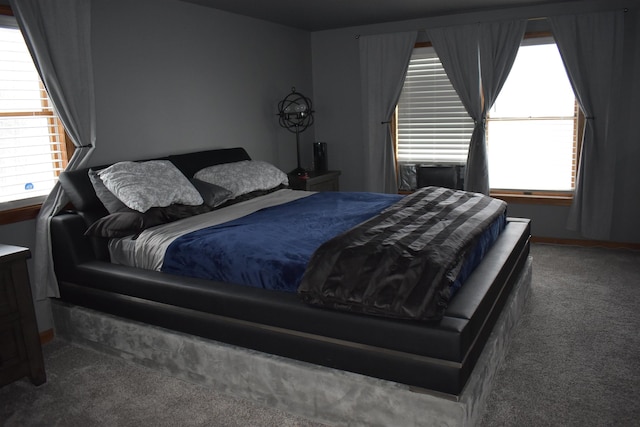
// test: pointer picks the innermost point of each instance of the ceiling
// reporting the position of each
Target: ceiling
(317, 15)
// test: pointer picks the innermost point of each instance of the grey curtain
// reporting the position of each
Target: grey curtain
(591, 49)
(58, 34)
(384, 60)
(477, 59)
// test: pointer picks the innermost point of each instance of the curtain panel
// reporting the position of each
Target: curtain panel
(58, 34)
(591, 49)
(457, 47)
(384, 60)
(477, 59)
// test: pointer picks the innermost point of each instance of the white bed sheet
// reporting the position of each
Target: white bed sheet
(148, 249)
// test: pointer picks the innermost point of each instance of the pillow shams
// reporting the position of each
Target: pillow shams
(243, 177)
(143, 185)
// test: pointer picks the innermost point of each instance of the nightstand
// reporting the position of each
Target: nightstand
(316, 181)
(20, 350)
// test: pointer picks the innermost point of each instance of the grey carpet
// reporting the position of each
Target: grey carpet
(85, 388)
(573, 362)
(575, 357)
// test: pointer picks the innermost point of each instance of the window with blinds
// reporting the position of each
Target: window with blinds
(32, 139)
(533, 128)
(433, 126)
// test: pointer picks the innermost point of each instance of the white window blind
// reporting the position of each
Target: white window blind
(32, 150)
(433, 126)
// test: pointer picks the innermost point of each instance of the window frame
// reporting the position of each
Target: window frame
(30, 208)
(557, 198)
(539, 197)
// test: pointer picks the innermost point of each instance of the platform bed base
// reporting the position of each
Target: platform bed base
(315, 392)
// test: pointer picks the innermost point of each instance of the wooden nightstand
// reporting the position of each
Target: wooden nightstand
(316, 181)
(20, 350)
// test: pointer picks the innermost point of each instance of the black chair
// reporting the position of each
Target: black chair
(439, 176)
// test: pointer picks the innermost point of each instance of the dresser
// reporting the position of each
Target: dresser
(20, 350)
(316, 181)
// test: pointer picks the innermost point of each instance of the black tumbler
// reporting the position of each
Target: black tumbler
(320, 156)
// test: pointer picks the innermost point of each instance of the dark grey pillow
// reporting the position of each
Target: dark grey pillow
(119, 224)
(108, 199)
(212, 194)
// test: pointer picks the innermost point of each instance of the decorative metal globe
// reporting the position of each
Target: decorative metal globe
(296, 112)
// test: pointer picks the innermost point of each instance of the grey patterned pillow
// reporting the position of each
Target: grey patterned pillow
(143, 185)
(243, 177)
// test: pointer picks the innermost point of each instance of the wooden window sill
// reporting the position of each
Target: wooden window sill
(535, 199)
(19, 214)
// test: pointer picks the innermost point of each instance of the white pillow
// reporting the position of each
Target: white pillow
(143, 185)
(243, 177)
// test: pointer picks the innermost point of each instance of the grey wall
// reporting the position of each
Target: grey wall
(173, 77)
(337, 87)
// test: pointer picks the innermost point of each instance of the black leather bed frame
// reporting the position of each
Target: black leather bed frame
(435, 356)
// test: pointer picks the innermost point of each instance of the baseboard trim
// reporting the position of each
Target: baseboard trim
(590, 243)
(46, 336)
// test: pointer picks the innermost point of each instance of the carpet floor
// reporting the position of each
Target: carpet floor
(573, 362)
(574, 359)
(86, 388)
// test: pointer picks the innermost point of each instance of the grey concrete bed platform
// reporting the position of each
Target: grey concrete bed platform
(316, 392)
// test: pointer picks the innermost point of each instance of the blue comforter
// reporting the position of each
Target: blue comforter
(271, 247)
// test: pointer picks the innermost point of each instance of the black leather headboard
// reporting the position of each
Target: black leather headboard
(190, 163)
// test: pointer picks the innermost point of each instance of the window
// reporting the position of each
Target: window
(532, 127)
(32, 139)
(535, 117)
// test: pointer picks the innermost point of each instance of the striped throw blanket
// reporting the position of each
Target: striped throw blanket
(402, 262)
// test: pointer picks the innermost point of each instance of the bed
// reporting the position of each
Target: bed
(432, 348)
